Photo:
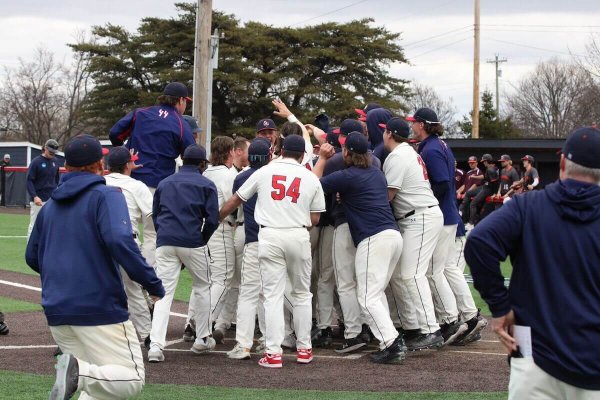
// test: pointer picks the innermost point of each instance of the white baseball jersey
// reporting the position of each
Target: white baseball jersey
(223, 178)
(405, 170)
(137, 195)
(287, 194)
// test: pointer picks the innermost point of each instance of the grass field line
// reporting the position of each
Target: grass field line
(348, 357)
(32, 346)
(13, 237)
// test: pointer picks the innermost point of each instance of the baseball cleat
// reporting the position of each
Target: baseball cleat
(366, 334)
(271, 361)
(393, 354)
(189, 334)
(3, 326)
(425, 341)
(304, 356)
(155, 354)
(147, 342)
(203, 345)
(218, 335)
(239, 353)
(351, 345)
(325, 339)
(67, 378)
(452, 331)
(474, 327)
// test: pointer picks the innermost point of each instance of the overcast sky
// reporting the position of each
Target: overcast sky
(523, 31)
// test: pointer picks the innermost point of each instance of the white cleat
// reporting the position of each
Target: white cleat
(155, 354)
(239, 353)
(203, 345)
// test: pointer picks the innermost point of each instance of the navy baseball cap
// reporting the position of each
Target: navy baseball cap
(505, 157)
(177, 89)
(193, 123)
(397, 126)
(259, 150)
(294, 143)
(349, 125)
(583, 147)
(424, 114)
(528, 158)
(120, 155)
(265, 124)
(195, 152)
(51, 145)
(356, 142)
(83, 150)
(333, 140)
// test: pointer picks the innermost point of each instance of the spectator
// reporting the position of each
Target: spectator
(157, 133)
(551, 357)
(42, 179)
(5, 161)
(531, 178)
(472, 179)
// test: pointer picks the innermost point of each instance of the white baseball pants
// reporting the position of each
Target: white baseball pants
(148, 247)
(168, 267)
(410, 290)
(34, 210)
(139, 313)
(227, 316)
(109, 356)
(222, 267)
(528, 381)
(454, 271)
(326, 281)
(376, 260)
(284, 254)
(344, 254)
(443, 297)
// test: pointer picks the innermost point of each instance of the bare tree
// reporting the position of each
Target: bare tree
(553, 100)
(43, 98)
(425, 96)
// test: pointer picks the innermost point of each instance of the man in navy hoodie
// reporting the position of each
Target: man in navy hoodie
(82, 289)
(549, 319)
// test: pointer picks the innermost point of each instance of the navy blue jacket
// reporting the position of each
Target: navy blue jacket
(79, 239)
(185, 209)
(363, 194)
(250, 225)
(42, 177)
(553, 239)
(159, 135)
(440, 167)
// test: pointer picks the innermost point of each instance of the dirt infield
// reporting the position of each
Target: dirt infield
(478, 367)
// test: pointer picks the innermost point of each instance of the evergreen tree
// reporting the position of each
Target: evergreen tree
(490, 126)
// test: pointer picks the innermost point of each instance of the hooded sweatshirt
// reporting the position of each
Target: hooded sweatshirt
(553, 239)
(374, 118)
(80, 237)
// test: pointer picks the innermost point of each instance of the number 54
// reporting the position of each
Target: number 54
(280, 192)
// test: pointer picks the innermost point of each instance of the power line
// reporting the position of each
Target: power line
(530, 30)
(437, 36)
(536, 48)
(544, 26)
(329, 13)
(441, 47)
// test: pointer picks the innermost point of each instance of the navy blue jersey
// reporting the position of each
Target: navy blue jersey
(250, 225)
(159, 135)
(440, 167)
(42, 177)
(364, 198)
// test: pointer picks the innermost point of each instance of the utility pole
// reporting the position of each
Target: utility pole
(475, 128)
(201, 66)
(497, 61)
(213, 63)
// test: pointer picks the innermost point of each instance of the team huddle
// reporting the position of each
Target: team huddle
(366, 229)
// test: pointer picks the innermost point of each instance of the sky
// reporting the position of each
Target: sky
(437, 35)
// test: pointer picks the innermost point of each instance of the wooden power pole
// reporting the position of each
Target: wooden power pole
(201, 65)
(475, 129)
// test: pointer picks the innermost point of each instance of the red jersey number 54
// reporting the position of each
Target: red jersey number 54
(280, 192)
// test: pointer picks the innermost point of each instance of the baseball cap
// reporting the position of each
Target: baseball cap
(397, 126)
(530, 159)
(193, 123)
(177, 89)
(356, 142)
(583, 147)
(333, 139)
(505, 157)
(370, 106)
(51, 145)
(194, 152)
(349, 125)
(265, 123)
(83, 150)
(6, 156)
(472, 159)
(424, 114)
(294, 143)
(258, 150)
(120, 155)
(487, 157)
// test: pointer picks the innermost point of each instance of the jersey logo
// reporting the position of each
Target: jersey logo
(280, 192)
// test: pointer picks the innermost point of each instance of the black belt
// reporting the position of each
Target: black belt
(408, 214)
(240, 224)
(231, 224)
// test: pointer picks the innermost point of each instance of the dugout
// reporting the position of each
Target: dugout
(545, 152)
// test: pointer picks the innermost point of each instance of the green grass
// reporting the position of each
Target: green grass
(8, 305)
(13, 224)
(28, 386)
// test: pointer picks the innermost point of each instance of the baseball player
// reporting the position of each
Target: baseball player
(375, 118)
(139, 204)
(259, 156)
(508, 176)
(439, 162)
(420, 221)
(531, 178)
(290, 200)
(363, 194)
(221, 244)
(82, 288)
(185, 213)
